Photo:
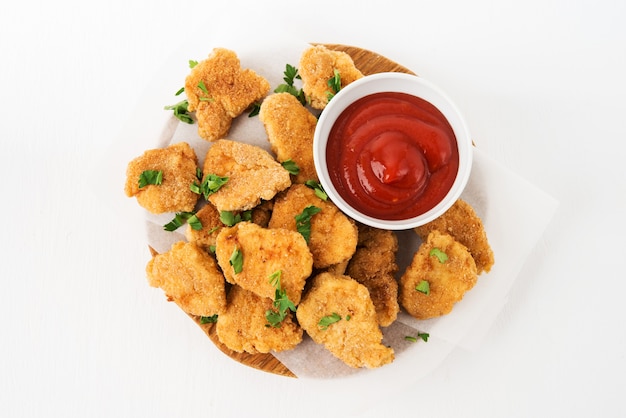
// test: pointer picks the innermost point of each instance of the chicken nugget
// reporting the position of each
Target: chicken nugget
(244, 327)
(178, 164)
(190, 277)
(462, 222)
(253, 175)
(374, 265)
(337, 312)
(317, 66)
(441, 272)
(290, 128)
(211, 223)
(333, 235)
(218, 90)
(262, 252)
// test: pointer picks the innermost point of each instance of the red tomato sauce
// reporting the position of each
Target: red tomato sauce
(392, 155)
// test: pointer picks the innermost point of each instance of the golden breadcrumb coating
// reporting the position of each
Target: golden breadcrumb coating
(190, 277)
(264, 252)
(205, 238)
(356, 338)
(374, 265)
(448, 281)
(317, 66)
(253, 175)
(333, 235)
(218, 90)
(290, 128)
(178, 162)
(243, 327)
(462, 222)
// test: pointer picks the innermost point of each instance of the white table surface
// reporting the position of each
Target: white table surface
(542, 86)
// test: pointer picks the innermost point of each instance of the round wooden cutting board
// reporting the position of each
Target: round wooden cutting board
(368, 63)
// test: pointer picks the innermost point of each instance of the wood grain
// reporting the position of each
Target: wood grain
(367, 62)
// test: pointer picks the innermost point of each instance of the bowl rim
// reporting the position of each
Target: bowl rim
(393, 82)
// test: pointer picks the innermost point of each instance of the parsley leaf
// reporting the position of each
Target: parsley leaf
(303, 221)
(180, 218)
(254, 109)
(441, 256)
(328, 320)
(423, 287)
(229, 218)
(181, 111)
(281, 302)
(423, 335)
(317, 187)
(150, 177)
(291, 166)
(210, 184)
(192, 63)
(334, 84)
(208, 319)
(291, 74)
(236, 260)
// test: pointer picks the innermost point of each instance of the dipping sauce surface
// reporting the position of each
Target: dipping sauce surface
(392, 155)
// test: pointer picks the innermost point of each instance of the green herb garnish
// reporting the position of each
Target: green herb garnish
(208, 319)
(236, 260)
(150, 177)
(180, 218)
(291, 166)
(423, 335)
(303, 221)
(211, 184)
(291, 74)
(423, 287)
(281, 302)
(328, 320)
(254, 109)
(229, 218)
(192, 63)
(317, 188)
(334, 84)
(441, 256)
(181, 111)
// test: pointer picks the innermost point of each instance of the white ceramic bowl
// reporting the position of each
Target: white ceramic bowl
(403, 83)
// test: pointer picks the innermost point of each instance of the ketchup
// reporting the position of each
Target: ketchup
(392, 155)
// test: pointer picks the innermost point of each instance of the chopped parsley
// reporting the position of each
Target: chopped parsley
(422, 335)
(202, 87)
(281, 302)
(208, 319)
(291, 166)
(423, 287)
(317, 188)
(441, 256)
(150, 177)
(328, 320)
(254, 109)
(290, 75)
(229, 218)
(236, 260)
(303, 221)
(210, 184)
(180, 218)
(334, 84)
(181, 111)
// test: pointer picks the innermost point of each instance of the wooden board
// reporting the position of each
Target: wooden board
(367, 62)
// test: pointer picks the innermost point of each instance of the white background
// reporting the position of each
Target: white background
(542, 86)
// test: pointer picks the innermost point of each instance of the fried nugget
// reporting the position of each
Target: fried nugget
(243, 327)
(333, 235)
(429, 287)
(190, 277)
(374, 265)
(253, 175)
(462, 222)
(178, 164)
(205, 238)
(354, 337)
(265, 252)
(290, 128)
(218, 90)
(317, 66)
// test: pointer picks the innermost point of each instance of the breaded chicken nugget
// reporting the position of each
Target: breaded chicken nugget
(290, 128)
(317, 66)
(243, 327)
(178, 164)
(264, 252)
(218, 90)
(337, 312)
(441, 272)
(462, 222)
(253, 175)
(374, 265)
(190, 277)
(333, 235)
(205, 238)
